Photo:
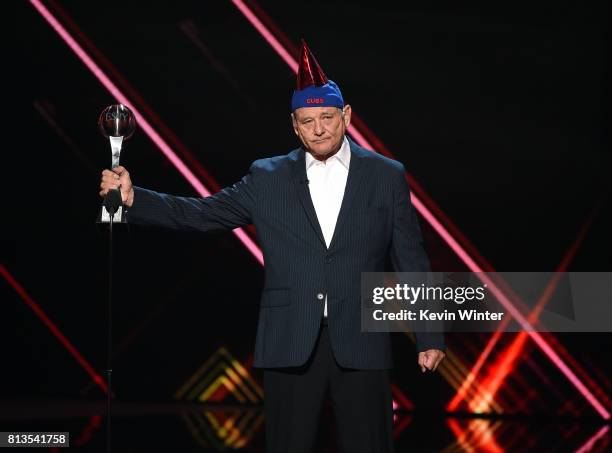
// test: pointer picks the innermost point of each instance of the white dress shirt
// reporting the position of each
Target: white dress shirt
(326, 182)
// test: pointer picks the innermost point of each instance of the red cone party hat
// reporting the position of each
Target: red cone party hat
(309, 72)
(313, 88)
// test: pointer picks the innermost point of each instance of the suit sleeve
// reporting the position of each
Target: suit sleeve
(407, 252)
(230, 208)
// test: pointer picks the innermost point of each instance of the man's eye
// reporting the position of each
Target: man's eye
(306, 121)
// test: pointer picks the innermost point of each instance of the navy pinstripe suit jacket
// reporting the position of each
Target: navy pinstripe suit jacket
(376, 221)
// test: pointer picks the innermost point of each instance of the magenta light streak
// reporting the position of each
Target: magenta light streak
(261, 28)
(72, 350)
(590, 443)
(142, 122)
(443, 232)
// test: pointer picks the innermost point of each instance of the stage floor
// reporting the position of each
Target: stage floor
(181, 427)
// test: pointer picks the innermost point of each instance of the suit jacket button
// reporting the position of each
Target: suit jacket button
(320, 296)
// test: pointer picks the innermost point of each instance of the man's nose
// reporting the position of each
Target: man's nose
(318, 129)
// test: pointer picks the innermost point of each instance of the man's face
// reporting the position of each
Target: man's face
(321, 129)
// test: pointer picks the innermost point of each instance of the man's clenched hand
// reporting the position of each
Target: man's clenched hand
(430, 359)
(117, 178)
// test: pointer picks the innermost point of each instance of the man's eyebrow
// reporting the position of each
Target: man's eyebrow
(329, 112)
(309, 117)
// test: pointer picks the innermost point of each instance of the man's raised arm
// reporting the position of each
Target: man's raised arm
(230, 208)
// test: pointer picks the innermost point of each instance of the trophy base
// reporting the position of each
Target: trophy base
(104, 216)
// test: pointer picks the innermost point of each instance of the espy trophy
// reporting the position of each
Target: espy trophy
(117, 123)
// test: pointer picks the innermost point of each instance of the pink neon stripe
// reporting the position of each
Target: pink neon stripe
(142, 122)
(590, 443)
(53, 328)
(442, 231)
(261, 28)
(359, 138)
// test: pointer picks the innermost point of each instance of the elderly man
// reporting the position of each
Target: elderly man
(324, 213)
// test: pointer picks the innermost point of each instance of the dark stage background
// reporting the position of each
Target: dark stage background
(499, 111)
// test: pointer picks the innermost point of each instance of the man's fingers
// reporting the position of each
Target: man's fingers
(438, 361)
(119, 170)
(425, 360)
(108, 175)
(116, 178)
(422, 361)
(429, 360)
(110, 180)
(109, 185)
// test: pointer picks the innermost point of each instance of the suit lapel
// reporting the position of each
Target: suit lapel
(353, 183)
(301, 187)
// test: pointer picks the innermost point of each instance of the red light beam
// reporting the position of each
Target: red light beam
(97, 379)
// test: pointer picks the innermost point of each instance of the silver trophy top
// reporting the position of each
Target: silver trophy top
(117, 123)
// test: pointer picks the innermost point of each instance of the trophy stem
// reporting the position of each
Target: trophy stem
(115, 143)
(109, 338)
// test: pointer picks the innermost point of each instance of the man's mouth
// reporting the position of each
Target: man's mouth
(321, 140)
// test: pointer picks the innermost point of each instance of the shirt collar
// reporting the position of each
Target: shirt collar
(343, 155)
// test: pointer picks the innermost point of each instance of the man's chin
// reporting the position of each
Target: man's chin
(322, 148)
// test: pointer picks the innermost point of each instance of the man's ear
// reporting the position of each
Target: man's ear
(294, 123)
(347, 115)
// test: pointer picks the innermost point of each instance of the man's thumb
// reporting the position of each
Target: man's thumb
(119, 170)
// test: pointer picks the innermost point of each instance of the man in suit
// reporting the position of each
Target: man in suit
(324, 213)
